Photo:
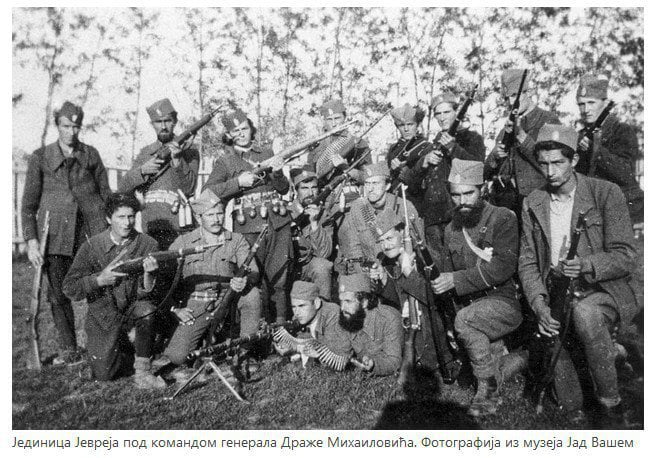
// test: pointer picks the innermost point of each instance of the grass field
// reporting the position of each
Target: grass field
(282, 395)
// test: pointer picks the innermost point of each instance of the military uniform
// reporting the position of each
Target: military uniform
(613, 152)
(161, 196)
(204, 278)
(73, 188)
(113, 310)
(262, 204)
(525, 175)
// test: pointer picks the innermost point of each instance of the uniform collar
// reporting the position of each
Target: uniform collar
(108, 242)
(55, 157)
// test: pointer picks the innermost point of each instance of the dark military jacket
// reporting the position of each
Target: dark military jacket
(183, 177)
(607, 244)
(432, 182)
(498, 232)
(72, 189)
(613, 158)
(107, 304)
(409, 154)
(223, 181)
(527, 178)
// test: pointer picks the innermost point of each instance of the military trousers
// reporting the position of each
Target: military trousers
(186, 338)
(319, 271)
(110, 352)
(484, 321)
(57, 267)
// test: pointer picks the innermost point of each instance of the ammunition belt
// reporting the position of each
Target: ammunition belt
(204, 296)
(161, 195)
(353, 265)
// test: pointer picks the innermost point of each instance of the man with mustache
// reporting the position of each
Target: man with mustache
(68, 179)
(206, 277)
(358, 246)
(161, 198)
(611, 152)
(313, 241)
(432, 169)
(399, 280)
(602, 266)
(117, 301)
(374, 330)
(481, 245)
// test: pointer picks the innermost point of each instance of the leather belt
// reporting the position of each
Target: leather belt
(204, 296)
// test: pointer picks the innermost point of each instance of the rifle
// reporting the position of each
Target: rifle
(562, 294)
(228, 300)
(133, 266)
(35, 297)
(412, 322)
(461, 114)
(445, 300)
(296, 150)
(589, 130)
(163, 152)
(510, 137)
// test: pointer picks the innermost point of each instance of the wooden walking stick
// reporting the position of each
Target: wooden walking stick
(34, 362)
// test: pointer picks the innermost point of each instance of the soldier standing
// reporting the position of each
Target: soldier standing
(410, 147)
(515, 173)
(482, 244)
(431, 172)
(160, 177)
(256, 201)
(602, 266)
(610, 153)
(68, 179)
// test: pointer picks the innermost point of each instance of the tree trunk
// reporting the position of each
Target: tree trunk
(134, 129)
(53, 79)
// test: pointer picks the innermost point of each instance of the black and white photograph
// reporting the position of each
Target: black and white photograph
(327, 218)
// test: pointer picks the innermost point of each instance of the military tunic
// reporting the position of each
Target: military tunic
(204, 278)
(157, 217)
(276, 251)
(613, 158)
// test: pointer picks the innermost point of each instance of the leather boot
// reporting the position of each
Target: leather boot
(486, 399)
(143, 377)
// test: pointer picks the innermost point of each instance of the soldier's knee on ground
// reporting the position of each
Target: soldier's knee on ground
(250, 308)
(587, 319)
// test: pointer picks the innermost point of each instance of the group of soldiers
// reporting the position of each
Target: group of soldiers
(488, 234)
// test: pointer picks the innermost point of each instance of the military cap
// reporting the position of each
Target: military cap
(304, 291)
(445, 97)
(386, 220)
(592, 86)
(234, 119)
(206, 201)
(355, 283)
(407, 113)
(378, 169)
(72, 112)
(466, 172)
(160, 109)
(511, 80)
(332, 107)
(559, 134)
(300, 175)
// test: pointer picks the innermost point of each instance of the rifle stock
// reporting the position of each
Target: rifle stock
(35, 361)
(461, 114)
(133, 266)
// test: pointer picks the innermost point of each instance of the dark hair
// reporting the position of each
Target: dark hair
(117, 200)
(548, 145)
(372, 299)
(227, 139)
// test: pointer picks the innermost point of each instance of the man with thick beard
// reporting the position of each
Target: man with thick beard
(375, 331)
(177, 173)
(482, 248)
